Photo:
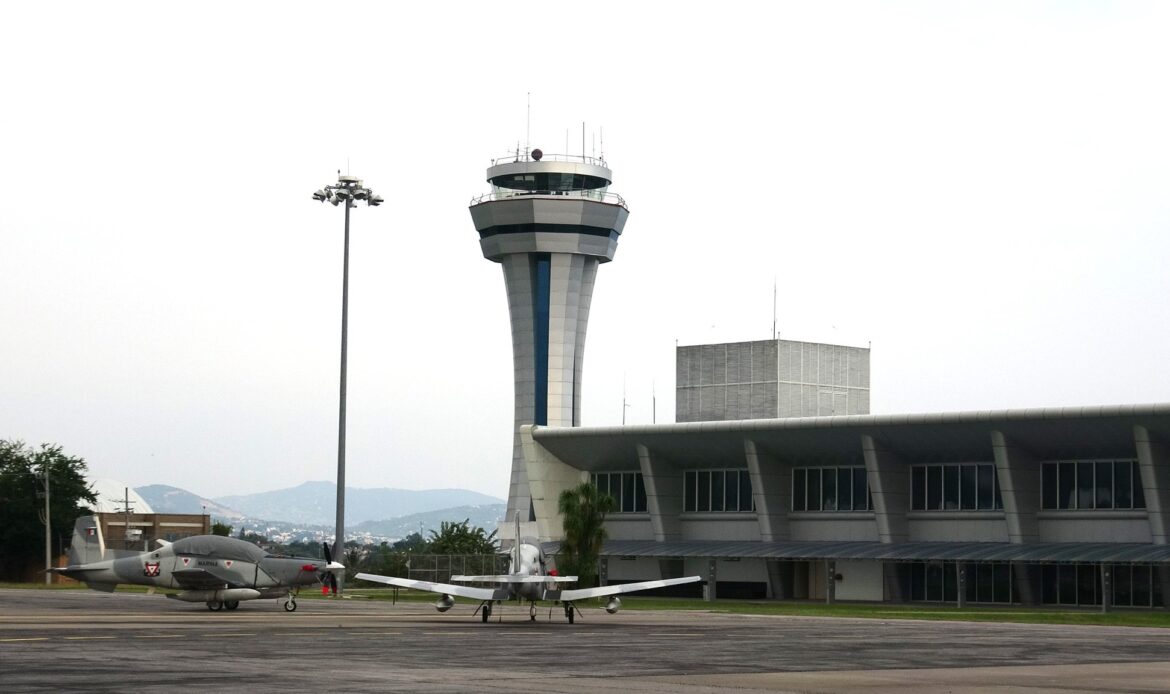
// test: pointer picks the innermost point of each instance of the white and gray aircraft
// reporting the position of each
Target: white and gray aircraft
(220, 571)
(528, 580)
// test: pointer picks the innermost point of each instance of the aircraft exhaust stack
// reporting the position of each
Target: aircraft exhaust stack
(445, 603)
(613, 605)
(224, 595)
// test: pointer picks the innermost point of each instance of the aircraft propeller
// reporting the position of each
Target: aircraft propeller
(329, 575)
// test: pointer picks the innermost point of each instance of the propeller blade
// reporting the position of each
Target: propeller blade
(328, 554)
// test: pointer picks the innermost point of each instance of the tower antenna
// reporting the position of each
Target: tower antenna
(582, 140)
(773, 307)
(528, 126)
(602, 143)
(625, 405)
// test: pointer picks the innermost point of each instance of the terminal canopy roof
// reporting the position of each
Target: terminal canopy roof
(1049, 433)
(1033, 553)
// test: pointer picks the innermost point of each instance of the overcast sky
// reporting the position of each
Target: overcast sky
(980, 190)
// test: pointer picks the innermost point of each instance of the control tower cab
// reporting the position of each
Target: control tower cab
(549, 221)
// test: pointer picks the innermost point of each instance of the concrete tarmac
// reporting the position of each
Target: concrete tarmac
(88, 641)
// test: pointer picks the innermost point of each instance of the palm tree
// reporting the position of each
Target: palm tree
(583, 510)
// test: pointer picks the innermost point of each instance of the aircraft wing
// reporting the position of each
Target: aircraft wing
(583, 593)
(514, 578)
(202, 578)
(442, 588)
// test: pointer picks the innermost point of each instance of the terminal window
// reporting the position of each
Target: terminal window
(720, 491)
(627, 489)
(831, 489)
(1091, 485)
(955, 487)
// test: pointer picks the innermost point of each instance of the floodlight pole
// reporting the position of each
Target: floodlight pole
(339, 538)
(346, 190)
(48, 531)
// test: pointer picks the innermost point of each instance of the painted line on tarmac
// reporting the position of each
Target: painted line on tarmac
(33, 638)
(219, 635)
(674, 635)
(159, 636)
(87, 638)
(368, 633)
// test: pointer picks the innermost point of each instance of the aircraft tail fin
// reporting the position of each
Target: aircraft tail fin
(88, 543)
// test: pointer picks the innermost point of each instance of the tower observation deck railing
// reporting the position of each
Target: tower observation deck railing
(574, 158)
(597, 195)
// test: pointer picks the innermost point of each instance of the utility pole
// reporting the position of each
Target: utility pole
(48, 530)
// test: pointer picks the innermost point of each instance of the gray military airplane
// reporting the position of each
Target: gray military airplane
(528, 579)
(220, 571)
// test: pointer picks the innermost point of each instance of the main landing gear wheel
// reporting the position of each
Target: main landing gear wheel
(532, 612)
(290, 606)
(569, 613)
(231, 604)
(214, 605)
(487, 613)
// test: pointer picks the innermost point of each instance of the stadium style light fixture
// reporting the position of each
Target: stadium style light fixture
(348, 190)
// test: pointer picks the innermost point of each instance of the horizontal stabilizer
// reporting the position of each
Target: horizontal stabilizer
(440, 588)
(584, 593)
(514, 578)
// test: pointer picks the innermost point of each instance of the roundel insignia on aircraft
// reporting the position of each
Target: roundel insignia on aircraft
(227, 563)
(186, 560)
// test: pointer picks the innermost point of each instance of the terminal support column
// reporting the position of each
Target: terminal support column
(547, 477)
(771, 491)
(1154, 464)
(1019, 486)
(961, 581)
(664, 494)
(889, 483)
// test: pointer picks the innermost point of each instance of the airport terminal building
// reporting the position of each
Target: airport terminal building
(1059, 506)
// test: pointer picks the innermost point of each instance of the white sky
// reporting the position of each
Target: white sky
(978, 189)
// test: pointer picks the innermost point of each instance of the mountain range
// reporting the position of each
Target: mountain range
(314, 503)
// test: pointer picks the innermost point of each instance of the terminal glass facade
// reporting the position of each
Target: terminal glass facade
(1080, 584)
(984, 582)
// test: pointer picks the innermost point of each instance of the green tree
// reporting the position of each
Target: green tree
(461, 538)
(583, 510)
(22, 503)
(413, 542)
(218, 528)
(384, 560)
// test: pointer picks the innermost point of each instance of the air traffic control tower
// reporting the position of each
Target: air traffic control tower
(549, 220)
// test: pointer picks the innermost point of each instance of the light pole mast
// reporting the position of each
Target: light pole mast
(346, 190)
(48, 531)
